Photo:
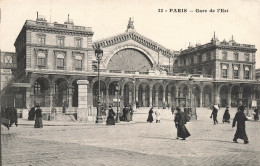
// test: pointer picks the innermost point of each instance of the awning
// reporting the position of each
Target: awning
(235, 68)
(246, 68)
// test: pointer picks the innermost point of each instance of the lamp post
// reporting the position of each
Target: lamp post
(99, 54)
(193, 107)
(117, 89)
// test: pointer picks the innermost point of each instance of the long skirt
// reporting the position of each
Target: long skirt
(182, 132)
(150, 118)
(241, 133)
(111, 120)
(38, 123)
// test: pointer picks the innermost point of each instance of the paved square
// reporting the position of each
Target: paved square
(134, 143)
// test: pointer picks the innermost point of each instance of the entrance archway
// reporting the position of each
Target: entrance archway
(235, 96)
(143, 94)
(41, 92)
(102, 93)
(223, 93)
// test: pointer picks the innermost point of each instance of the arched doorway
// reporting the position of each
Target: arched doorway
(143, 94)
(128, 93)
(74, 94)
(207, 96)
(41, 92)
(61, 93)
(102, 93)
(184, 94)
(196, 94)
(170, 95)
(157, 95)
(223, 93)
(235, 96)
(247, 92)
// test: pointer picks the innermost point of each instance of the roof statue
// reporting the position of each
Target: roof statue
(130, 24)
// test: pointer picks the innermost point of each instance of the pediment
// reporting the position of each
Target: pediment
(135, 36)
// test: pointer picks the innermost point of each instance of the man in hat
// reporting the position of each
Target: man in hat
(180, 122)
(240, 118)
(214, 114)
(226, 116)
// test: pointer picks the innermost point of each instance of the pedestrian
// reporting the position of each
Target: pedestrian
(31, 114)
(131, 113)
(110, 117)
(53, 113)
(128, 116)
(240, 118)
(158, 115)
(124, 114)
(214, 114)
(186, 113)
(13, 116)
(172, 109)
(226, 116)
(38, 119)
(180, 122)
(256, 114)
(150, 115)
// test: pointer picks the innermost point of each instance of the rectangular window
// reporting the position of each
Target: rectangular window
(224, 73)
(60, 62)
(41, 40)
(60, 41)
(224, 55)
(41, 61)
(247, 57)
(246, 74)
(236, 56)
(8, 59)
(78, 64)
(78, 43)
(236, 74)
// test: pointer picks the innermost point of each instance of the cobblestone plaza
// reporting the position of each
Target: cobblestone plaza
(153, 144)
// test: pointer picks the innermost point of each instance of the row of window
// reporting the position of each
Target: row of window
(236, 56)
(60, 40)
(246, 72)
(60, 61)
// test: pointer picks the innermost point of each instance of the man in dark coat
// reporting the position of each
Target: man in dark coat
(240, 118)
(124, 114)
(13, 116)
(31, 114)
(226, 116)
(5, 116)
(150, 115)
(214, 114)
(110, 118)
(38, 119)
(256, 116)
(180, 122)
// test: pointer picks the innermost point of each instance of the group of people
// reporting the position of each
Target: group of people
(157, 114)
(9, 116)
(35, 113)
(127, 115)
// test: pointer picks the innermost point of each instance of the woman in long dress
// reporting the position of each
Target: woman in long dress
(110, 118)
(38, 119)
(226, 116)
(180, 122)
(150, 115)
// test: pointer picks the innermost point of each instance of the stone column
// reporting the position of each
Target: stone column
(82, 112)
(169, 99)
(151, 96)
(156, 102)
(229, 98)
(241, 75)
(201, 98)
(28, 98)
(143, 98)
(163, 96)
(107, 97)
(70, 96)
(176, 96)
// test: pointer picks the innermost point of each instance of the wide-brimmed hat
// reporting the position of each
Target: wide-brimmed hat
(227, 106)
(178, 108)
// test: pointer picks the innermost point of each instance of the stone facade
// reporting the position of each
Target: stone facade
(55, 59)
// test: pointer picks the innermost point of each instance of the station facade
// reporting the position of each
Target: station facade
(56, 66)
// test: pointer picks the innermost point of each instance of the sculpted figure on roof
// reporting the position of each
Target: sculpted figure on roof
(130, 24)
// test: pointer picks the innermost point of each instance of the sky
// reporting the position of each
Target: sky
(152, 18)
